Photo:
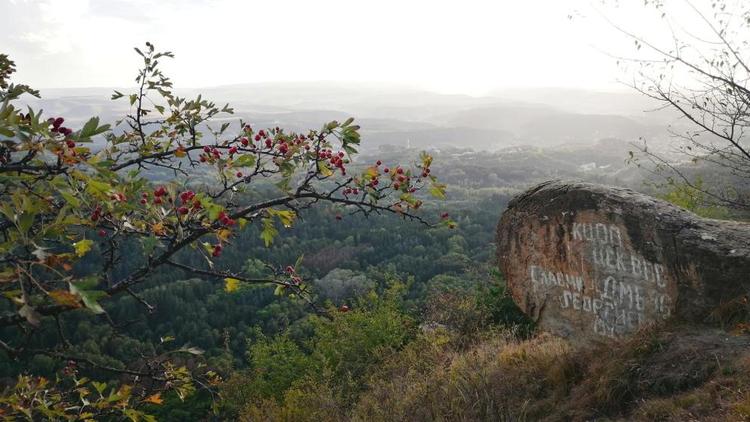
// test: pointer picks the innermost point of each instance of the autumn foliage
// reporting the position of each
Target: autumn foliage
(68, 195)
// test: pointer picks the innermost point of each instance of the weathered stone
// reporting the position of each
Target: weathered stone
(591, 262)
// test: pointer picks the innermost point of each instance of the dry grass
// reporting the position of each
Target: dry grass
(678, 374)
(498, 379)
(674, 374)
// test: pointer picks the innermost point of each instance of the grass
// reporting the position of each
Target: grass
(675, 373)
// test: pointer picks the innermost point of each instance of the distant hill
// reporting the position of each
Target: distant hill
(405, 116)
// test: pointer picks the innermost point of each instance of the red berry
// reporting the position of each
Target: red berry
(206, 149)
(400, 170)
(244, 141)
(70, 143)
(239, 174)
(183, 210)
(102, 233)
(157, 200)
(143, 201)
(290, 269)
(186, 196)
(378, 163)
(386, 170)
(233, 150)
(58, 122)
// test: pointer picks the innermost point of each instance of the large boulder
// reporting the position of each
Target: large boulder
(592, 262)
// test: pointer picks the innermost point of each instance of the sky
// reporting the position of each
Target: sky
(466, 46)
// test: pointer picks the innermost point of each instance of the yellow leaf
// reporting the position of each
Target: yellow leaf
(285, 216)
(158, 229)
(180, 152)
(65, 298)
(224, 234)
(154, 399)
(371, 173)
(231, 284)
(83, 246)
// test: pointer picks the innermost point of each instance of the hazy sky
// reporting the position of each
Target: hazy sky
(466, 46)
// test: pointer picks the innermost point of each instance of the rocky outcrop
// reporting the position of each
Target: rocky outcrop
(591, 262)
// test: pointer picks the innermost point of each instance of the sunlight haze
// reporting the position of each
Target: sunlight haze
(467, 47)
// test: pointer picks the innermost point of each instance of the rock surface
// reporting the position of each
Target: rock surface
(592, 262)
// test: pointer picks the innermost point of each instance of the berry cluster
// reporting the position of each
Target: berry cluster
(296, 279)
(58, 128)
(225, 219)
(278, 144)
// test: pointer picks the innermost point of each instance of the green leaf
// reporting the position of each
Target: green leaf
(99, 386)
(149, 244)
(246, 160)
(89, 297)
(437, 190)
(324, 170)
(70, 199)
(96, 187)
(269, 231)
(32, 316)
(26, 221)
